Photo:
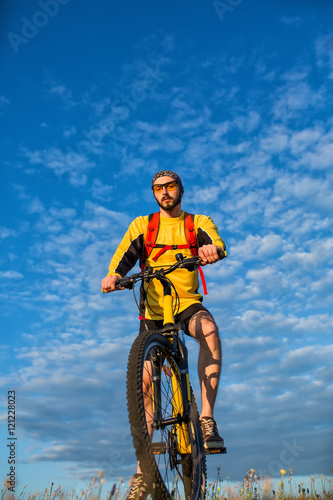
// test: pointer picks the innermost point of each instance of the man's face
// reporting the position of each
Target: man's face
(167, 199)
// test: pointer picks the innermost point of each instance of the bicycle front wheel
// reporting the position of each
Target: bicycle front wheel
(172, 457)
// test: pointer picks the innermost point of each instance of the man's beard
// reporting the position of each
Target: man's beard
(170, 204)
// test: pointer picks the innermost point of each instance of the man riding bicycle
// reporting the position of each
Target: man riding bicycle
(155, 240)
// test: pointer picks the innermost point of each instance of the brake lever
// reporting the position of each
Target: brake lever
(193, 266)
(126, 282)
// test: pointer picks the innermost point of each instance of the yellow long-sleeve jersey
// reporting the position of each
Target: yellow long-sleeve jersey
(171, 232)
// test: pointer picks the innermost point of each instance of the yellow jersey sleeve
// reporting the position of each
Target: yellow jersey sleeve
(207, 232)
(130, 249)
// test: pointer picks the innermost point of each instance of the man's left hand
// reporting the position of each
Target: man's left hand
(209, 254)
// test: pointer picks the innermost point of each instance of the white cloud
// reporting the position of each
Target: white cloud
(324, 52)
(321, 158)
(55, 89)
(4, 101)
(35, 206)
(206, 195)
(292, 20)
(247, 123)
(307, 357)
(73, 164)
(11, 275)
(258, 247)
(100, 190)
(312, 192)
(275, 140)
(69, 131)
(296, 97)
(315, 324)
(7, 233)
(305, 139)
(324, 284)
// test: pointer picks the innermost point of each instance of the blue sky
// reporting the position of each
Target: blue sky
(95, 97)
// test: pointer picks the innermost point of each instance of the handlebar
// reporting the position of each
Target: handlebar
(189, 263)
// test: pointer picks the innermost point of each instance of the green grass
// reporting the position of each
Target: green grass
(253, 487)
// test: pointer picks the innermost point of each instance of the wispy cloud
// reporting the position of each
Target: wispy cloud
(292, 20)
(324, 50)
(73, 165)
(10, 275)
(4, 101)
(54, 89)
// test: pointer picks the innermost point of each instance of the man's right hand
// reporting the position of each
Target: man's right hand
(109, 283)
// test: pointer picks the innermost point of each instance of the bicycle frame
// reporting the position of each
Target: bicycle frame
(181, 398)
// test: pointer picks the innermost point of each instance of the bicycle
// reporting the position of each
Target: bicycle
(163, 414)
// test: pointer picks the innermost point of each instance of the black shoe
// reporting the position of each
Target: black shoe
(138, 489)
(211, 437)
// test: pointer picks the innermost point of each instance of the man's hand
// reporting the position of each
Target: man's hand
(209, 254)
(109, 283)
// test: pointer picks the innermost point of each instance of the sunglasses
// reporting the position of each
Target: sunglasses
(169, 186)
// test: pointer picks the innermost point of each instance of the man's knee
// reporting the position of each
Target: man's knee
(210, 330)
(203, 328)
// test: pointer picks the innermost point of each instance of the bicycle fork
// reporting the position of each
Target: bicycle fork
(181, 393)
(180, 400)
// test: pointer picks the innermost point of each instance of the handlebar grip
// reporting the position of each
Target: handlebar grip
(222, 253)
(125, 282)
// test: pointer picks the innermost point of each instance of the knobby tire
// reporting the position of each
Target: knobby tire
(172, 474)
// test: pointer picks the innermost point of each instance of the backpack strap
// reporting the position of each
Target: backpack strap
(151, 236)
(190, 234)
(193, 245)
(152, 231)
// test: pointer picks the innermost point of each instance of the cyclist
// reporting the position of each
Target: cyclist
(171, 239)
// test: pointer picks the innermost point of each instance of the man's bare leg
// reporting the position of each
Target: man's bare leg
(203, 328)
(147, 401)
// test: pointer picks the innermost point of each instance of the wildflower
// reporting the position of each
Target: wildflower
(282, 472)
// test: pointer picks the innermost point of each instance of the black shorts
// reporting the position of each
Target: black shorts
(184, 317)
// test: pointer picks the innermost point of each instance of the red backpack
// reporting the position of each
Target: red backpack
(151, 237)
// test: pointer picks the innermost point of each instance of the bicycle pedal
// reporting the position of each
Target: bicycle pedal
(159, 448)
(215, 451)
(167, 371)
